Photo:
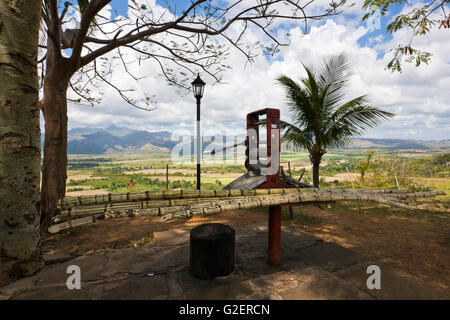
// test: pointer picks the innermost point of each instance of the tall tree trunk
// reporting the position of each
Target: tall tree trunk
(19, 140)
(316, 164)
(54, 167)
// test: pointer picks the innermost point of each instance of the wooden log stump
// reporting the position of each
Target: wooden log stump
(211, 251)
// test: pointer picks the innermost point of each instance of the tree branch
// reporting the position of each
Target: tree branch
(88, 15)
(187, 26)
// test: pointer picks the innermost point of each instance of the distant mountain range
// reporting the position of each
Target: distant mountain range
(114, 139)
(398, 144)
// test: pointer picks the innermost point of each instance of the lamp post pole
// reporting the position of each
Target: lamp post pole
(198, 142)
(198, 86)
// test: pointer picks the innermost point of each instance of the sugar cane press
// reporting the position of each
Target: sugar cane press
(262, 153)
(263, 168)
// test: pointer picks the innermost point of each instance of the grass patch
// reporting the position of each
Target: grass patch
(141, 241)
(74, 189)
(307, 220)
(442, 186)
(381, 211)
(301, 218)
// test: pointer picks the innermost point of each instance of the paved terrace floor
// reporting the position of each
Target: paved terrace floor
(310, 269)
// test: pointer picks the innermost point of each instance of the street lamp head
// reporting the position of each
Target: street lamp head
(198, 86)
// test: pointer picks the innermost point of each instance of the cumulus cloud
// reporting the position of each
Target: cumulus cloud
(419, 96)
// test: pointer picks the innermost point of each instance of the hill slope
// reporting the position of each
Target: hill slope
(114, 139)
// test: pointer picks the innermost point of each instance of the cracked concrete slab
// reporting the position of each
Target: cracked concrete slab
(57, 257)
(170, 238)
(225, 288)
(177, 255)
(395, 284)
(144, 260)
(137, 287)
(329, 256)
(53, 275)
(310, 269)
(317, 283)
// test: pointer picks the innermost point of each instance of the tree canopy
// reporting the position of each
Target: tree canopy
(181, 39)
(419, 20)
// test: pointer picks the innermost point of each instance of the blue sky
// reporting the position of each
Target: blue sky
(120, 6)
(418, 96)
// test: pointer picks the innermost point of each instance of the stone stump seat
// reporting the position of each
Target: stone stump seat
(211, 251)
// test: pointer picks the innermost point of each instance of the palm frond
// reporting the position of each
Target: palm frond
(346, 108)
(362, 116)
(311, 84)
(333, 77)
(298, 100)
(295, 137)
(320, 118)
(351, 119)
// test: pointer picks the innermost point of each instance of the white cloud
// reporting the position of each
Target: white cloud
(419, 96)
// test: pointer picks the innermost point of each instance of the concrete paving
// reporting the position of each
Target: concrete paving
(310, 269)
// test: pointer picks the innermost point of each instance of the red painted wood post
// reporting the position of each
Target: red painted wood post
(274, 235)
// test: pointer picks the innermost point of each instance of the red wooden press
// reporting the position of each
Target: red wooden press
(264, 169)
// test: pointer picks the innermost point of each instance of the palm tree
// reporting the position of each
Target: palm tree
(321, 120)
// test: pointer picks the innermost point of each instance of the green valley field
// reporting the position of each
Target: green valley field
(415, 170)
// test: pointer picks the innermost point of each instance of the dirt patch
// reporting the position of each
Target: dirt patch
(190, 176)
(161, 171)
(129, 161)
(123, 232)
(298, 168)
(342, 177)
(417, 242)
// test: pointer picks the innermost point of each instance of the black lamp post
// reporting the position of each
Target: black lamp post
(198, 86)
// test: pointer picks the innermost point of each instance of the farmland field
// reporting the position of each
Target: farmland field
(347, 169)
